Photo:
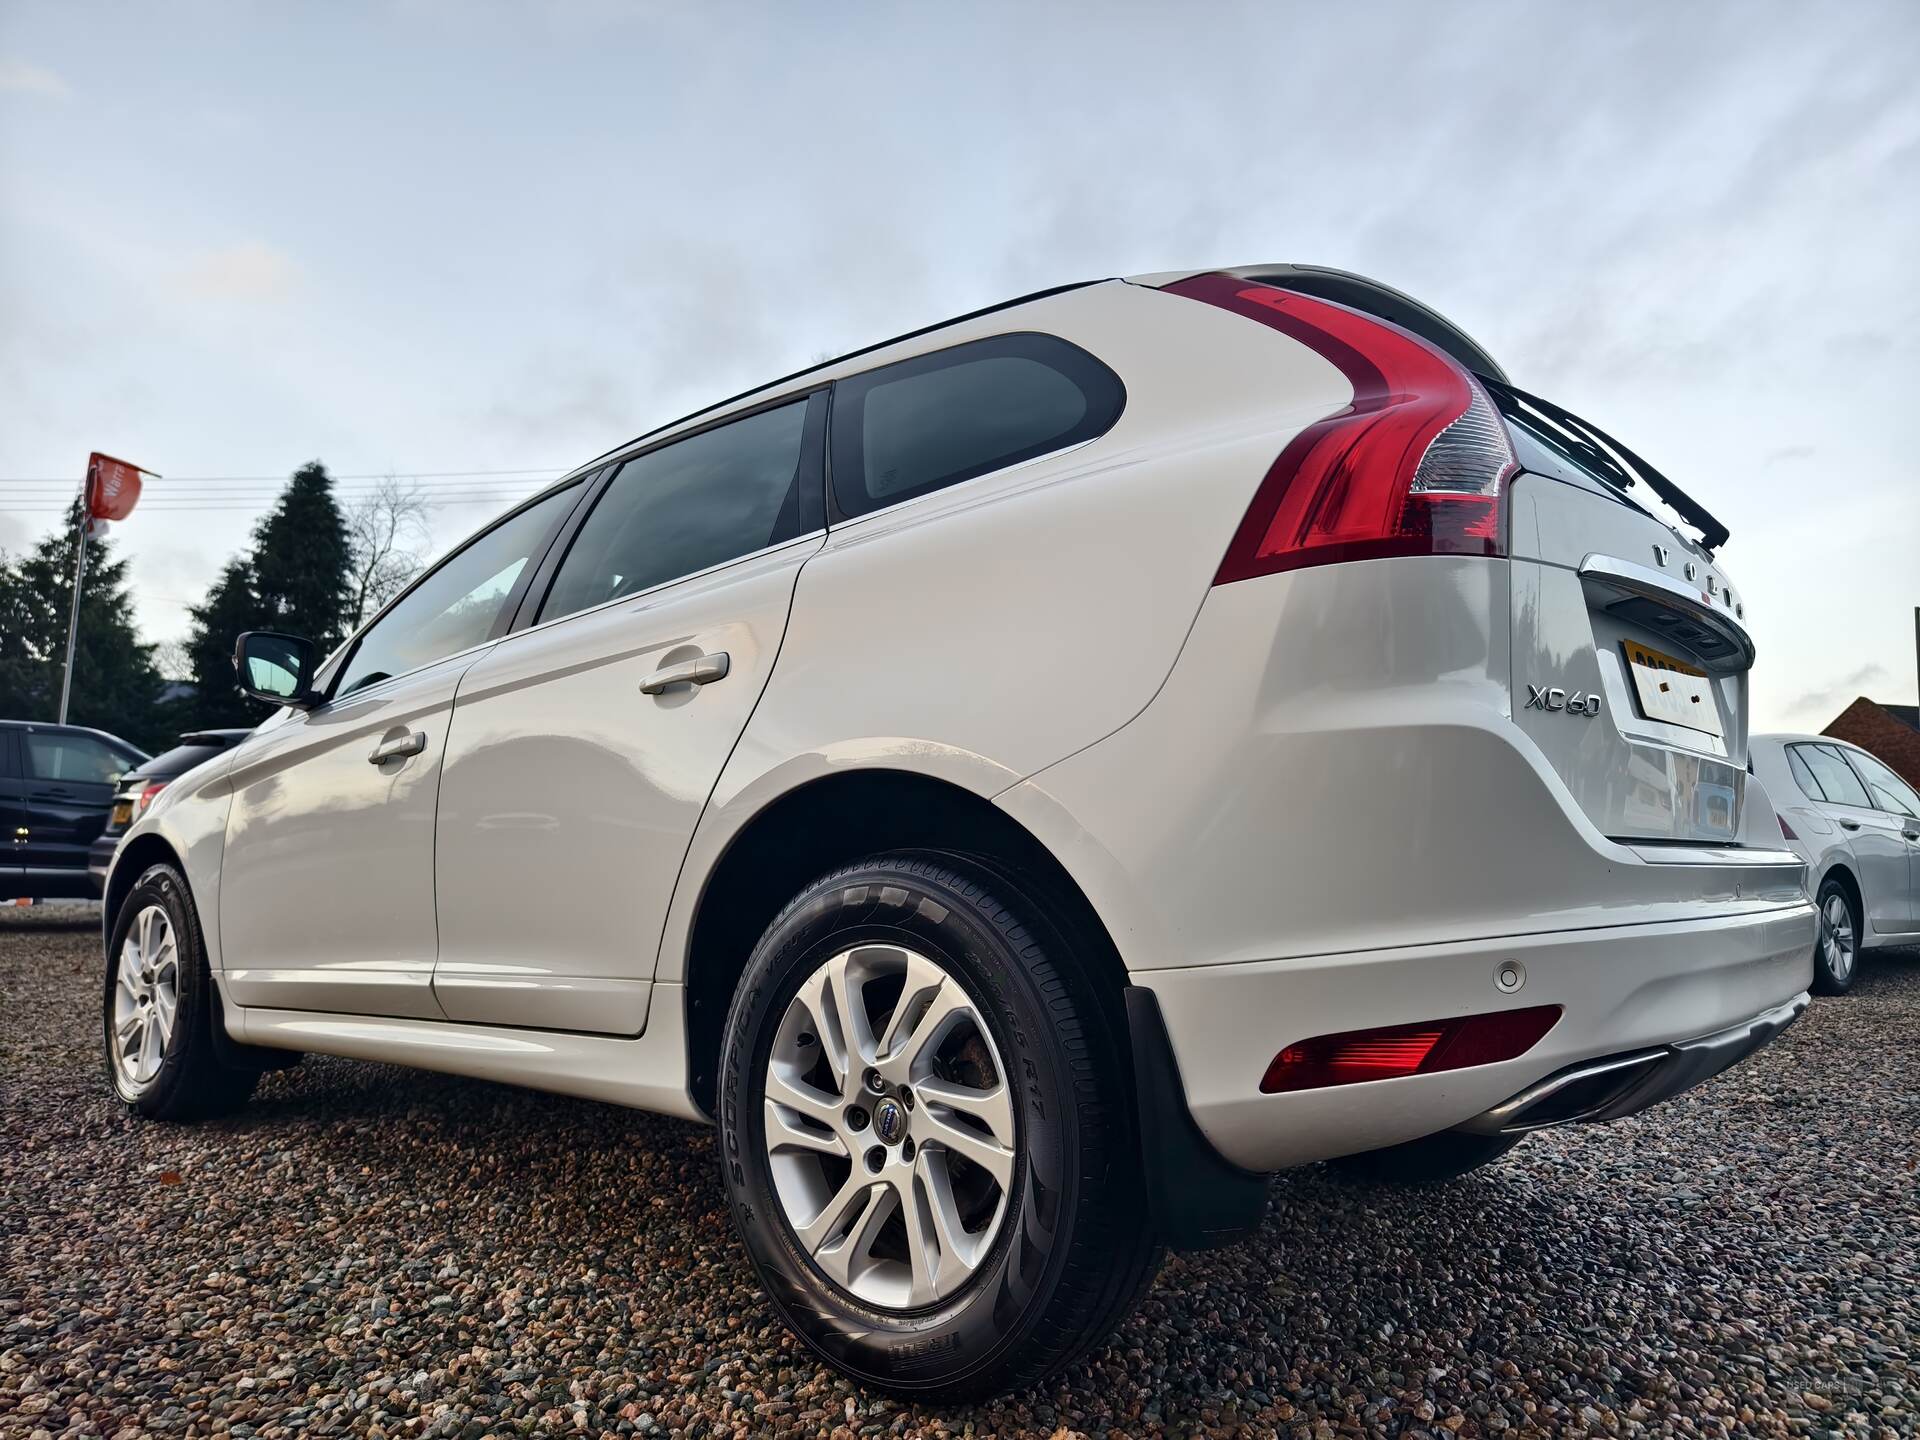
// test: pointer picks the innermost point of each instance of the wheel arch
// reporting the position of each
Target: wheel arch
(830, 821)
(135, 857)
(1842, 874)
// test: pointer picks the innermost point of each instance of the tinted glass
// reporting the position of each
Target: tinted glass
(1802, 776)
(457, 605)
(697, 502)
(938, 419)
(78, 759)
(179, 760)
(1889, 791)
(1839, 784)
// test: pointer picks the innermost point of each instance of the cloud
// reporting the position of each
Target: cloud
(19, 78)
(251, 270)
(1830, 699)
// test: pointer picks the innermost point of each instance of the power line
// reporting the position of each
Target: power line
(74, 480)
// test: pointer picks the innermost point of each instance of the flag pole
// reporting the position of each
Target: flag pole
(73, 616)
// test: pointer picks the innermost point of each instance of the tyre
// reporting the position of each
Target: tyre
(1836, 946)
(160, 1008)
(1428, 1160)
(926, 1132)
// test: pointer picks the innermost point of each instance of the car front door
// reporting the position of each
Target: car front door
(326, 896)
(1896, 799)
(584, 748)
(69, 777)
(1879, 848)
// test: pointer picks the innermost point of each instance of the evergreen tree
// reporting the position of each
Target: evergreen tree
(115, 685)
(301, 560)
(230, 607)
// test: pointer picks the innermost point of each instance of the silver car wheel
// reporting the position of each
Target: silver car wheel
(1836, 937)
(146, 998)
(890, 1130)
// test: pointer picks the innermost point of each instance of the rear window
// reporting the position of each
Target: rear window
(177, 761)
(936, 420)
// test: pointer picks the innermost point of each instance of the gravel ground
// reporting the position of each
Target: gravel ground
(375, 1251)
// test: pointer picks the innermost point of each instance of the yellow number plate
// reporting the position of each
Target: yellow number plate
(122, 812)
(1672, 690)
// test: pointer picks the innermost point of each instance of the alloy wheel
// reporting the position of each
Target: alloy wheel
(1836, 937)
(890, 1127)
(146, 998)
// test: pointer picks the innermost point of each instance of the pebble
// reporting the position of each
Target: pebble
(372, 1251)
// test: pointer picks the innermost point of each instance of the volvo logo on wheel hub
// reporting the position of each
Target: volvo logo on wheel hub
(889, 1121)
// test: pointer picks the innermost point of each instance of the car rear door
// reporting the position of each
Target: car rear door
(1876, 838)
(583, 748)
(326, 895)
(1895, 799)
(11, 816)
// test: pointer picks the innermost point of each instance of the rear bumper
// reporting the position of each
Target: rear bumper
(1616, 1086)
(1623, 989)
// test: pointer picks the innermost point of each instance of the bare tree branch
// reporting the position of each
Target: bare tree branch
(383, 531)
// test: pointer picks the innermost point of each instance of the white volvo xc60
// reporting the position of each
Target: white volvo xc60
(1023, 782)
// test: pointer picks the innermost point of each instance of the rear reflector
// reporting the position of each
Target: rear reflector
(1420, 1049)
(1417, 464)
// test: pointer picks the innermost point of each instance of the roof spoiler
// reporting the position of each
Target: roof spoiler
(1370, 297)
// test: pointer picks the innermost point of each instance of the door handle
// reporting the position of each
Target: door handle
(398, 747)
(1849, 824)
(703, 670)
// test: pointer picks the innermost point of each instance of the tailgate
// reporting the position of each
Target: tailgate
(1630, 661)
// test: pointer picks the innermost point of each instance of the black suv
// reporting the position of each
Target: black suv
(138, 787)
(56, 787)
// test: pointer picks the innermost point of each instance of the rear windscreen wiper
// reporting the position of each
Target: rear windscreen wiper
(1621, 464)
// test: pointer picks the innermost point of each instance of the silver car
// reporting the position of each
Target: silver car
(1857, 825)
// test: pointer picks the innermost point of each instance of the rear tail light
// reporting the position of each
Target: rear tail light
(1786, 830)
(1417, 464)
(151, 789)
(1394, 1050)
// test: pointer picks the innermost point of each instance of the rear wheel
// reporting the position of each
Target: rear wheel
(1836, 946)
(1428, 1160)
(925, 1132)
(160, 1008)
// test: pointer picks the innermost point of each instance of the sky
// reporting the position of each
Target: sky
(485, 243)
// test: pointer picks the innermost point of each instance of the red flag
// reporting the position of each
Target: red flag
(113, 487)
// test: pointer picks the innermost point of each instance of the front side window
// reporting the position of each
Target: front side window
(1889, 791)
(692, 504)
(77, 759)
(1838, 784)
(935, 420)
(457, 606)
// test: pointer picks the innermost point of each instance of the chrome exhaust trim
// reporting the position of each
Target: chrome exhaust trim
(1614, 1086)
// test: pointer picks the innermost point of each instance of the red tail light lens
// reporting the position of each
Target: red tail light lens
(153, 788)
(1417, 464)
(1786, 830)
(1393, 1050)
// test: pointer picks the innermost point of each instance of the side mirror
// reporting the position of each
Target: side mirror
(275, 668)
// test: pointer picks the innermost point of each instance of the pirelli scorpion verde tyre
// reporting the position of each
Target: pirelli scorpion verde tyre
(925, 1132)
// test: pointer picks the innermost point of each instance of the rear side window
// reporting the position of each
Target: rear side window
(692, 504)
(1838, 784)
(78, 759)
(1802, 776)
(1889, 791)
(935, 420)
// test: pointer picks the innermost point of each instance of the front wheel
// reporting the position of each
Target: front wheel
(1836, 947)
(160, 1008)
(925, 1132)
